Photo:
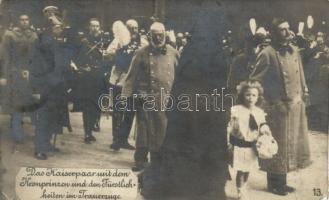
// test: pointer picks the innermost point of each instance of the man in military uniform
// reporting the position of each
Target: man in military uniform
(93, 67)
(16, 53)
(51, 16)
(151, 72)
(122, 121)
(316, 75)
(50, 66)
(181, 42)
(279, 68)
(243, 63)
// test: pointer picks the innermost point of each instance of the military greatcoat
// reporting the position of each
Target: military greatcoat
(280, 70)
(151, 72)
(16, 53)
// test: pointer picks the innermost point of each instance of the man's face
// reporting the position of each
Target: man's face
(49, 13)
(24, 21)
(320, 38)
(94, 27)
(158, 37)
(133, 29)
(283, 31)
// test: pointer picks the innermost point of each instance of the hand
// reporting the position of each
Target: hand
(73, 66)
(313, 44)
(3, 81)
(265, 129)
(25, 74)
(229, 147)
(235, 124)
(70, 106)
(88, 69)
(306, 98)
(36, 96)
(282, 107)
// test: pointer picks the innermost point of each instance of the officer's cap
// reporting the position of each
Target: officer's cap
(276, 22)
(50, 9)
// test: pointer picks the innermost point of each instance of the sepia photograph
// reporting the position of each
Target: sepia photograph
(164, 99)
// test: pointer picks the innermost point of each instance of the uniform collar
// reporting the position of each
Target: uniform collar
(158, 50)
(283, 48)
(28, 32)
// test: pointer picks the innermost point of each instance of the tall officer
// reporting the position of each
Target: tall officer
(93, 66)
(279, 68)
(50, 66)
(122, 121)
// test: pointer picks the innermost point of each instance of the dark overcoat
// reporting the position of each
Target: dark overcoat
(16, 54)
(49, 69)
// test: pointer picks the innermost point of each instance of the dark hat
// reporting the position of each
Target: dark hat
(276, 22)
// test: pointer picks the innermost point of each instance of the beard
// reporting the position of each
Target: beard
(158, 44)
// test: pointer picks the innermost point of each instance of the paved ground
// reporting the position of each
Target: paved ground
(74, 153)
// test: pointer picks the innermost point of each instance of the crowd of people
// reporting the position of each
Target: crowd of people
(44, 71)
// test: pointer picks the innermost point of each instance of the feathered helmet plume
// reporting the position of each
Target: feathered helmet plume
(121, 33)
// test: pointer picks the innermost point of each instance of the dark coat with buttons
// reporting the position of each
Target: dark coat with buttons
(16, 54)
(93, 67)
(150, 74)
(281, 73)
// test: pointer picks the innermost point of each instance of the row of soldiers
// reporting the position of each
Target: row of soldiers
(44, 69)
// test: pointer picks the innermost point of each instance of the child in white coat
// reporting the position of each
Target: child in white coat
(246, 124)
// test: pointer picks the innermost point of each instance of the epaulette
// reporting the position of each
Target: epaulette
(80, 33)
(38, 30)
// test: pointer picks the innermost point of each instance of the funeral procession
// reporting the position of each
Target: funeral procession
(195, 99)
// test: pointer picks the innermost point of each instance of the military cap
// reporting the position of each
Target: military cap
(276, 22)
(50, 9)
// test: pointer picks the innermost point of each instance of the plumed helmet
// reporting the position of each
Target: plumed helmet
(121, 33)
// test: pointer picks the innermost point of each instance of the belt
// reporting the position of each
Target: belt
(240, 142)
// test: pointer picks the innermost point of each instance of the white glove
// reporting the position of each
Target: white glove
(265, 129)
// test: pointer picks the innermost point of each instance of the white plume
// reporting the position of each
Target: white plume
(310, 21)
(121, 33)
(253, 25)
(301, 26)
